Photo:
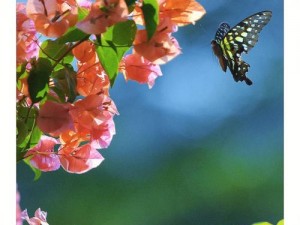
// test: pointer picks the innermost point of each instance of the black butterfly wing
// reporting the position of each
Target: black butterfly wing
(243, 36)
(237, 40)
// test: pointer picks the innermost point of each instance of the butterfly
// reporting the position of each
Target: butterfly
(229, 44)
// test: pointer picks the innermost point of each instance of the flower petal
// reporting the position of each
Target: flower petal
(54, 118)
(139, 69)
(43, 156)
(79, 160)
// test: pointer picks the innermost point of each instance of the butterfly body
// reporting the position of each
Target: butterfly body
(230, 43)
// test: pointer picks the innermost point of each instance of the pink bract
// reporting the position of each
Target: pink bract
(52, 18)
(19, 220)
(139, 69)
(182, 12)
(54, 118)
(161, 49)
(27, 48)
(104, 13)
(93, 110)
(79, 160)
(102, 134)
(38, 219)
(43, 156)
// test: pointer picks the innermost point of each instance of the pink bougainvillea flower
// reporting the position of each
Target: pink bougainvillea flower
(93, 110)
(160, 49)
(54, 118)
(52, 18)
(137, 68)
(93, 123)
(27, 47)
(42, 156)
(71, 138)
(79, 160)
(74, 138)
(85, 51)
(91, 78)
(19, 220)
(104, 13)
(137, 15)
(99, 136)
(102, 134)
(182, 12)
(84, 3)
(40, 217)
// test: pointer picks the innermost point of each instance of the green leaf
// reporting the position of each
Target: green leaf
(262, 223)
(21, 71)
(281, 222)
(52, 49)
(20, 154)
(31, 140)
(27, 115)
(68, 59)
(38, 80)
(65, 83)
(121, 36)
(82, 13)
(28, 133)
(122, 33)
(37, 172)
(115, 42)
(151, 14)
(130, 2)
(109, 59)
(35, 137)
(23, 132)
(72, 35)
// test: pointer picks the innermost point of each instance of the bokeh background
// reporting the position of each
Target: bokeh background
(198, 148)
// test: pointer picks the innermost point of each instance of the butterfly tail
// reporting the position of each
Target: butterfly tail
(239, 70)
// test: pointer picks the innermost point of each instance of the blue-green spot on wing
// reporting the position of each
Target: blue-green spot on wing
(229, 44)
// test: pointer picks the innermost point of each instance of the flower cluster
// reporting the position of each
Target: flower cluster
(40, 217)
(69, 53)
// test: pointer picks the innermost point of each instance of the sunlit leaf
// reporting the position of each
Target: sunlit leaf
(150, 10)
(21, 71)
(52, 49)
(35, 137)
(116, 41)
(37, 172)
(262, 223)
(122, 33)
(108, 59)
(28, 133)
(82, 13)
(281, 222)
(56, 52)
(121, 36)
